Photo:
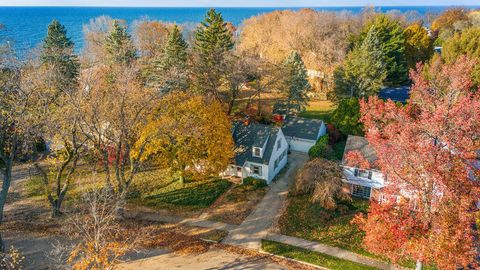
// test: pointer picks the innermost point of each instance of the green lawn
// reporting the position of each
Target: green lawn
(319, 110)
(309, 221)
(191, 196)
(315, 258)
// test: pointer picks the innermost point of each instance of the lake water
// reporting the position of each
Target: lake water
(25, 27)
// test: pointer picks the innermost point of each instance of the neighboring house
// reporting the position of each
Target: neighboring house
(397, 94)
(302, 133)
(260, 151)
(362, 183)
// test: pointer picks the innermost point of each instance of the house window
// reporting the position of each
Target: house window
(256, 152)
(257, 170)
(279, 144)
(363, 173)
(361, 191)
(275, 165)
(239, 169)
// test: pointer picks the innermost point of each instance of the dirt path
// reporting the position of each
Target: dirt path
(256, 226)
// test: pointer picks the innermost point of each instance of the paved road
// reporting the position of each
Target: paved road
(256, 226)
(214, 259)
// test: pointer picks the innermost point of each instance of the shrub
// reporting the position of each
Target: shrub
(323, 180)
(321, 149)
(334, 135)
(255, 183)
(346, 117)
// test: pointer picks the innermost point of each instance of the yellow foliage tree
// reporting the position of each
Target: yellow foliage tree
(188, 136)
(418, 44)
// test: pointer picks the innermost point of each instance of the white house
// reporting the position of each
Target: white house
(363, 183)
(302, 133)
(260, 151)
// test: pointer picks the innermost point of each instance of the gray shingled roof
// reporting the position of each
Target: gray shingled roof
(357, 143)
(299, 127)
(248, 136)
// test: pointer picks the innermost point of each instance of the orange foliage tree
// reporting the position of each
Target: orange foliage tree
(425, 148)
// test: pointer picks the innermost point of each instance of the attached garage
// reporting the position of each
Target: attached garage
(300, 145)
(302, 133)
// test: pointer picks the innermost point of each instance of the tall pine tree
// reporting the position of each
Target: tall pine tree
(391, 38)
(119, 45)
(296, 83)
(364, 70)
(57, 56)
(171, 68)
(213, 40)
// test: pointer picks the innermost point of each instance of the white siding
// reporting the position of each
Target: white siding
(247, 169)
(322, 131)
(377, 180)
(272, 171)
(300, 145)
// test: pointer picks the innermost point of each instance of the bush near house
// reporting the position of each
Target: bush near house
(254, 183)
(321, 149)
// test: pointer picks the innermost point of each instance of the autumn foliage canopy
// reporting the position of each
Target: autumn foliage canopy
(425, 148)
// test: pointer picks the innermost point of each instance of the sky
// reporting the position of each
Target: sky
(236, 3)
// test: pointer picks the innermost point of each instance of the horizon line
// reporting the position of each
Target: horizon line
(322, 6)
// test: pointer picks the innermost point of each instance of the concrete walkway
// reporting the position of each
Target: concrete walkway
(332, 251)
(255, 227)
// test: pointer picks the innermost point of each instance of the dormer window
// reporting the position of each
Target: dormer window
(279, 144)
(257, 152)
(362, 173)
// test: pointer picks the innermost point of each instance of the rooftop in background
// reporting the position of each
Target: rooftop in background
(399, 94)
(358, 143)
(299, 127)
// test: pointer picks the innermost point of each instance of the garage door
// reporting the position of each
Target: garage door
(301, 146)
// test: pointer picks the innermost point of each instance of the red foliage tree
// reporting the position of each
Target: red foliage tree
(424, 149)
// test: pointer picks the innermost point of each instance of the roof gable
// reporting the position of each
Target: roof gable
(357, 143)
(253, 135)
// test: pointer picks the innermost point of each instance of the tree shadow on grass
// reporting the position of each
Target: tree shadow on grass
(193, 195)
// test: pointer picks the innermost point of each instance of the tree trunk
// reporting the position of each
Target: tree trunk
(419, 265)
(230, 106)
(7, 179)
(55, 211)
(120, 205)
(2, 245)
(182, 179)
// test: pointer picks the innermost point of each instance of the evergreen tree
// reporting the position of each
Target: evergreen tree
(173, 63)
(364, 70)
(213, 40)
(58, 57)
(346, 117)
(296, 83)
(391, 38)
(119, 45)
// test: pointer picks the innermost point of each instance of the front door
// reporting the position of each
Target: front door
(239, 171)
